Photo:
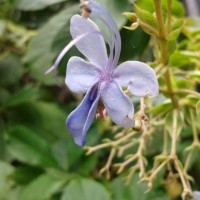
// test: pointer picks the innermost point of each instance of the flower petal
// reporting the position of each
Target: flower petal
(81, 75)
(79, 120)
(196, 195)
(92, 47)
(138, 77)
(118, 105)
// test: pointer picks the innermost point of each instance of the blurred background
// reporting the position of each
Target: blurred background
(38, 159)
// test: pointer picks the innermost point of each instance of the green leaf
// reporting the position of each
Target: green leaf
(176, 27)
(44, 186)
(181, 59)
(130, 16)
(24, 174)
(44, 47)
(85, 189)
(190, 100)
(10, 70)
(6, 183)
(132, 47)
(177, 24)
(46, 119)
(24, 95)
(2, 27)
(195, 75)
(67, 153)
(134, 190)
(173, 35)
(182, 83)
(34, 5)
(88, 163)
(3, 155)
(161, 108)
(177, 7)
(145, 16)
(24, 145)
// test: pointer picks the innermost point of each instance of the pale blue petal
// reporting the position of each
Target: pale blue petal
(118, 105)
(138, 77)
(81, 75)
(79, 120)
(196, 195)
(92, 47)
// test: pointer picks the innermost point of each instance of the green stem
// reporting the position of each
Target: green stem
(164, 58)
(174, 133)
(194, 130)
(165, 142)
(159, 17)
(168, 20)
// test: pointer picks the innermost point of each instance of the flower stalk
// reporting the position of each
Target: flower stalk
(164, 55)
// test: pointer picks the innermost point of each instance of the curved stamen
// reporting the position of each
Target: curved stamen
(71, 44)
(113, 38)
(95, 7)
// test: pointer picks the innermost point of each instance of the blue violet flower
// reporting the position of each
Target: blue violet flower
(99, 76)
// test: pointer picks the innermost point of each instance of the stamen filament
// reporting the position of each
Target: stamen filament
(95, 7)
(113, 38)
(71, 44)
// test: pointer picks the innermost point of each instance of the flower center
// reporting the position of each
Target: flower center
(106, 76)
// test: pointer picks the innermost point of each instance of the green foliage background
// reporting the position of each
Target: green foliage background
(38, 159)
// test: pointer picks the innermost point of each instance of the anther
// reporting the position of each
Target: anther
(85, 11)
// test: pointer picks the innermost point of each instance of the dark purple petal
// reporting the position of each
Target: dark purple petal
(79, 120)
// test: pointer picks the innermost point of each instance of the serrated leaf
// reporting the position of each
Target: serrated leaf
(85, 189)
(34, 5)
(24, 145)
